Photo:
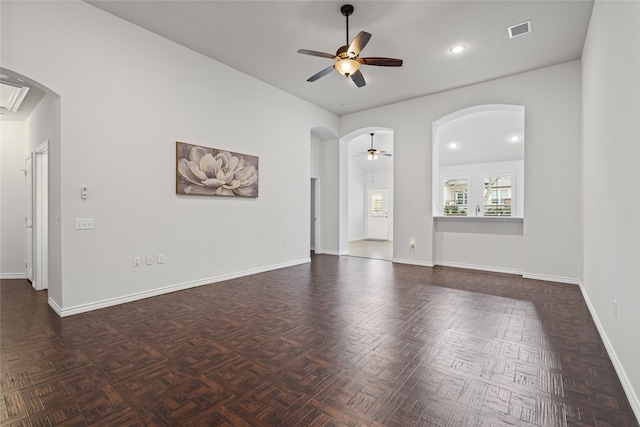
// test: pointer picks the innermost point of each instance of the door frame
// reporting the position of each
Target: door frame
(315, 212)
(29, 240)
(40, 215)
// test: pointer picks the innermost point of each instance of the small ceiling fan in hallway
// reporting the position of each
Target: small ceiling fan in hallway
(348, 56)
(372, 153)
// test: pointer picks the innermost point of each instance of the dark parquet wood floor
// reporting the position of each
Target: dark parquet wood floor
(339, 342)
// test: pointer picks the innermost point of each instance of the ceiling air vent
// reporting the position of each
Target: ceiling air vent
(519, 29)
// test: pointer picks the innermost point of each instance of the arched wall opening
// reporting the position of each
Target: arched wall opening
(35, 131)
(369, 207)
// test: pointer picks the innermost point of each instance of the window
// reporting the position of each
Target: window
(376, 204)
(497, 195)
(456, 196)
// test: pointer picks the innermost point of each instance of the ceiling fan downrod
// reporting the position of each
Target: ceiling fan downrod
(346, 11)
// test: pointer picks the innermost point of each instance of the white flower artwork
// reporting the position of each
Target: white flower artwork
(215, 172)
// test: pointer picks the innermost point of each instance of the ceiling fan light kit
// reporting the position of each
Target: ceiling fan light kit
(347, 67)
(347, 56)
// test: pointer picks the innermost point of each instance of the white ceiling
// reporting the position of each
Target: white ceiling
(261, 39)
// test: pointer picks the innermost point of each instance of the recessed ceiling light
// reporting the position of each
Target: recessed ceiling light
(457, 48)
(453, 145)
(514, 138)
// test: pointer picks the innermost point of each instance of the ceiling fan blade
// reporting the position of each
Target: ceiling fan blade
(359, 42)
(382, 153)
(319, 74)
(316, 53)
(383, 62)
(358, 79)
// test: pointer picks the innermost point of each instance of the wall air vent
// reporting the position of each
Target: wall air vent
(519, 29)
(11, 96)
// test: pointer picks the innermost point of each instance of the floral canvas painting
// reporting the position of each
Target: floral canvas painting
(215, 172)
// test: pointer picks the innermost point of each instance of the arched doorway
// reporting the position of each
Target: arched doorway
(370, 189)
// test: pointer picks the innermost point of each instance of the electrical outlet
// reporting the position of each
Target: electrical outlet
(615, 309)
(136, 261)
(149, 260)
(84, 223)
(284, 242)
(160, 258)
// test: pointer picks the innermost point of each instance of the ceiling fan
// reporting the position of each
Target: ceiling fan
(372, 153)
(348, 60)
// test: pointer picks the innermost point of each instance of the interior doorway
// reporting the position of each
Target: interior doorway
(370, 189)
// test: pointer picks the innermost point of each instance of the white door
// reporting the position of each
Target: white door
(377, 214)
(28, 217)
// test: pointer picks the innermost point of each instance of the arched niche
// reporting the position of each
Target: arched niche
(478, 162)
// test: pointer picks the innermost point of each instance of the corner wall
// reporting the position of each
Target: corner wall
(611, 174)
(12, 200)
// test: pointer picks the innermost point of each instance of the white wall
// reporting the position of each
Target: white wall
(127, 96)
(357, 201)
(12, 200)
(611, 173)
(325, 165)
(551, 97)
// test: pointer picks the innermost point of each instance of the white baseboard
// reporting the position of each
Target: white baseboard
(64, 312)
(329, 252)
(13, 276)
(632, 396)
(479, 267)
(559, 279)
(412, 262)
(55, 307)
